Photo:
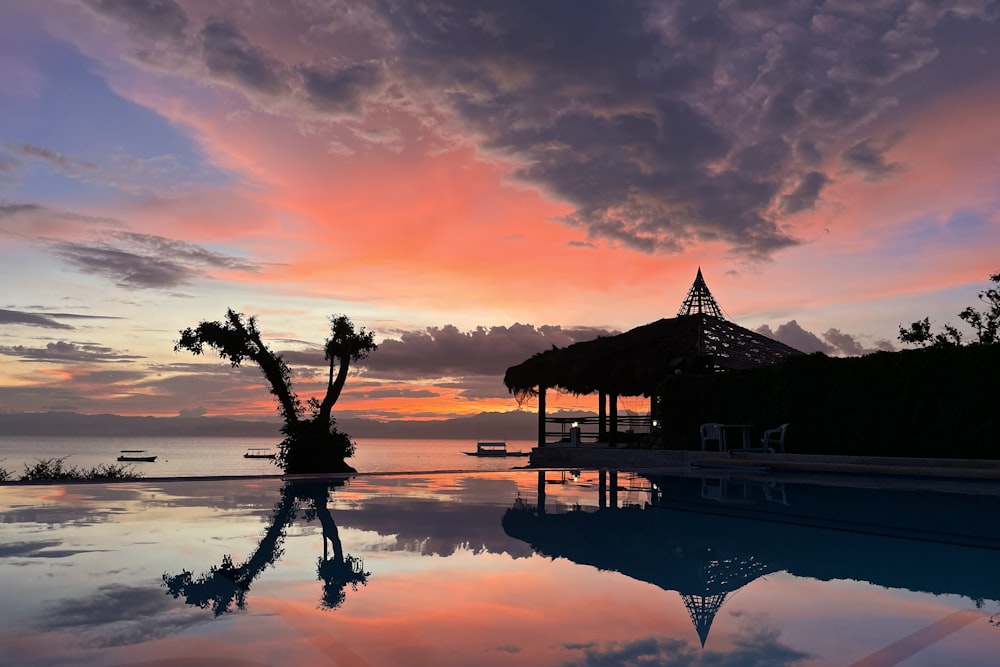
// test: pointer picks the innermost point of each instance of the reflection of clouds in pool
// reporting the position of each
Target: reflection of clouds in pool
(117, 614)
(755, 643)
(436, 528)
(447, 586)
(42, 549)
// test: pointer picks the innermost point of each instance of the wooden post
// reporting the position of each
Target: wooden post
(602, 488)
(541, 492)
(613, 489)
(541, 416)
(613, 419)
(602, 416)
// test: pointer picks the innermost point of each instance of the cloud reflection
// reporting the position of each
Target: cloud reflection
(116, 615)
(756, 644)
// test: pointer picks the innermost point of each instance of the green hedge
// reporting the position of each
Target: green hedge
(935, 402)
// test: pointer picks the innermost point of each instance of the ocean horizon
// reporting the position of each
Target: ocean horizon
(190, 456)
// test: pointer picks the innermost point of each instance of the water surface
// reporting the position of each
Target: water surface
(214, 456)
(497, 568)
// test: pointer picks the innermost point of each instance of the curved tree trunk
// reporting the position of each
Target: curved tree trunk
(273, 370)
(333, 390)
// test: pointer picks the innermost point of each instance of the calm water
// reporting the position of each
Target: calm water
(506, 569)
(200, 457)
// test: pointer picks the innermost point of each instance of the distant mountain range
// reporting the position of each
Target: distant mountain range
(514, 425)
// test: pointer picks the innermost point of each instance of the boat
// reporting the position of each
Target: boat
(259, 453)
(494, 448)
(135, 455)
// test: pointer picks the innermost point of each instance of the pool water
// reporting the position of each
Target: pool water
(500, 568)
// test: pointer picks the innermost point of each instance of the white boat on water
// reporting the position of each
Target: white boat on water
(135, 455)
(494, 448)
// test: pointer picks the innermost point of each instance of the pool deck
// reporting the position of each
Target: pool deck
(638, 459)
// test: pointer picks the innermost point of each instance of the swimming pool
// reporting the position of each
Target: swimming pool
(505, 568)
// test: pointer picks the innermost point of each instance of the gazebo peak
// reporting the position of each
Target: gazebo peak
(700, 300)
(702, 609)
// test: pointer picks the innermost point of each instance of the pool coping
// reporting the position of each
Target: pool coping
(635, 459)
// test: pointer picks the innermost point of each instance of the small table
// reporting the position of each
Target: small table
(745, 434)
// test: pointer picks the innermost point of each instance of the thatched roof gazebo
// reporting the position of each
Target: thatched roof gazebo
(698, 340)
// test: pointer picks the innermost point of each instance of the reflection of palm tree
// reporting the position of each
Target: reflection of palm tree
(224, 587)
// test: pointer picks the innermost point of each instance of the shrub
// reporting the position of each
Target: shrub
(55, 468)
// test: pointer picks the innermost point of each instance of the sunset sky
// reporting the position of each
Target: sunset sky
(475, 182)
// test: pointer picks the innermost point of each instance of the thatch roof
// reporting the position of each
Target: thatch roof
(635, 362)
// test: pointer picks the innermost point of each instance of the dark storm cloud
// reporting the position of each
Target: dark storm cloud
(805, 194)
(30, 319)
(663, 124)
(446, 351)
(764, 157)
(341, 90)
(63, 351)
(670, 124)
(595, 101)
(832, 342)
(142, 261)
(152, 18)
(869, 160)
(232, 58)
(807, 153)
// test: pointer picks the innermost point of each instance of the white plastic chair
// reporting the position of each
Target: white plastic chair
(710, 432)
(774, 439)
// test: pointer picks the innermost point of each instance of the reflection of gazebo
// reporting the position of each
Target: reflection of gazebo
(634, 542)
(706, 549)
(633, 363)
(721, 576)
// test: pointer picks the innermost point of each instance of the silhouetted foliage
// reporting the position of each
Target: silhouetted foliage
(985, 324)
(224, 587)
(933, 402)
(55, 468)
(312, 443)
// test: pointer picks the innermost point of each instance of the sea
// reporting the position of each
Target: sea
(223, 456)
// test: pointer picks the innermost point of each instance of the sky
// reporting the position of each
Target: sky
(475, 182)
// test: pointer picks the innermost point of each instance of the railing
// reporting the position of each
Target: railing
(628, 427)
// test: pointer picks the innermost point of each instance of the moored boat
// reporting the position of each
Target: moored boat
(494, 448)
(135, 455)
(259, 453)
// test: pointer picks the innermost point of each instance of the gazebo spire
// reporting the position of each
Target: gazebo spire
(700, 300)
(702, 609)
